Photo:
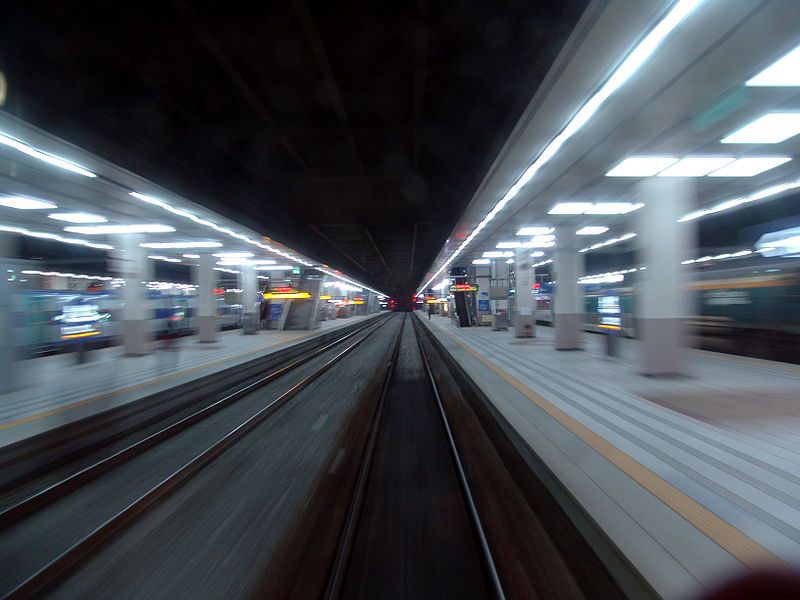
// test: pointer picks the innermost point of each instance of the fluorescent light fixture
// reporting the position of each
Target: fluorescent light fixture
(509, 244)
(25, 203)
(626, 68)
(535, 230)
(772, 128)
(264, 262)
(62, 163)
(233, 255)
(180, 245)
(223, 270)
(165, 258)
(481, 261)
(783, 72)
(52, 236)
(748, 167)
(696, 166)
(591, 230)
(570, 208)
(641, 166)
(608, 242)
(510, 261)
(71, 275)
(537, 254)
(613, 208)
(273, 267)
(728, 204)
(497, 254)
(190, 255)
(77, 217)
(114, 229)
(227, 231)
(534, 243)
(543, 263)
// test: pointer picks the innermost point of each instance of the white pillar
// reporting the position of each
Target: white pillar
(206, 277)
(8, 372)
(568, 303)
(132, 263)
(250, 297)
(524, 301)
(662, 301)
(498, 294)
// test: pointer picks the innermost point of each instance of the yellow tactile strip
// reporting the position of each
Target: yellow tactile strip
(132, 388)
(737, 544)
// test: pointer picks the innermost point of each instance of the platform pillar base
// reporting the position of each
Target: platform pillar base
(207, 331)
(569, 335)
(135, 335)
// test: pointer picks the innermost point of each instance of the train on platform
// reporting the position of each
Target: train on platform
(752, 309)
(49, 321)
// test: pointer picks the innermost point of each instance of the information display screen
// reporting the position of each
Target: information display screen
(610, 313)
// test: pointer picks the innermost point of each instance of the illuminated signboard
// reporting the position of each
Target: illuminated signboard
(286, 293)
(325, 297)
(358, 300)
(463, 287)
(78, 321)
(610, 313)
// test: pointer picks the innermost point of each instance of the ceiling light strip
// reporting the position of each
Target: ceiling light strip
(608, 242)
(71, 275)
(629, 66)
(62, 163)
(734, 202)
(54, 237)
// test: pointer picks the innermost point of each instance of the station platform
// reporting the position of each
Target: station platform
(55, 390)
(695, 479)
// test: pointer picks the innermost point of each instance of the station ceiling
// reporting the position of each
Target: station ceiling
(355, 134)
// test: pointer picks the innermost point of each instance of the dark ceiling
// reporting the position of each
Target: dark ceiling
(353, 132)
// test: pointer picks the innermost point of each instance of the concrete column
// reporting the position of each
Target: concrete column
(8, 372)
(132, 263)
(207, 321)
(498, 294)
(569, 309)
(524, 301)
(249, 283)
(662, 299)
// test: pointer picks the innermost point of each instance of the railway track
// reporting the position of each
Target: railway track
(13, 518)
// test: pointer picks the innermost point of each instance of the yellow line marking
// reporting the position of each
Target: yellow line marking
(737, 544)
(138, 386)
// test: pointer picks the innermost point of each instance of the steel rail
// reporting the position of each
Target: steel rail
(80, 551)
(483, 542)
(347, 536)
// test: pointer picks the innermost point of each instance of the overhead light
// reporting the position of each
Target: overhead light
(274, 267)
(537, 254)
(114, 229)
(509, 244)
(728, 204)
(748, 167)
(165, 258)
(535, 230)
(608, 242)
(180, 245)
(641, 166)
(497, 254)
(233, 255)
(510, 261)
(544, 262)
(71, 275)
(190, 255)
(227, 231)
(629, 65)
(52, 236)
(77, 217)
(782, 73)
(614, 208)
(570, 208)
(44, 156)
(696, 166)
(25, 203)
(772, 128)
(481, 261)
(591, 230)
(264, 262)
